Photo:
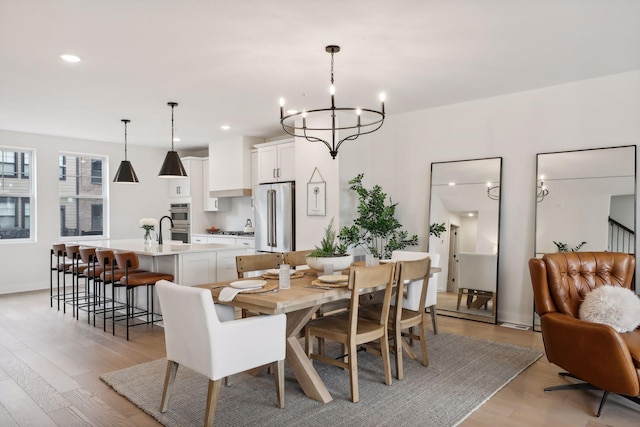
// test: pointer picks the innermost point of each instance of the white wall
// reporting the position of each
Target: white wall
(309, 155)
(593, 113)
(25, 265)
(557, 222)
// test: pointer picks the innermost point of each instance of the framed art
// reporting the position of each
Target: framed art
(316, 196)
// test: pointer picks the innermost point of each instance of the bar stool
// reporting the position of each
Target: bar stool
(60, 264)
(92, 277)
(77, 270)
(110, 274)
(130, 281)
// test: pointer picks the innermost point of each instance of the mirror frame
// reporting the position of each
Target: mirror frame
(456, 314)
(536, 318)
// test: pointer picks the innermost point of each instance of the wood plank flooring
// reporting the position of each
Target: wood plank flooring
(50, 366)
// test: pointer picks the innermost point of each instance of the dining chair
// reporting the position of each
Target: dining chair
(407, 273)
(296, 258)
(350, 330)
(413, 294)
(216, 349)
(258, 262)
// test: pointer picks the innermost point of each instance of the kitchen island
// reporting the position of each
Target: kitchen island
(190, 264)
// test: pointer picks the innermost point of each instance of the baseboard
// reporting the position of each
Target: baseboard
(514, 326)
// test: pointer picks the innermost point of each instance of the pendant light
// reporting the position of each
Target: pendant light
(172, 166)
(125, 172)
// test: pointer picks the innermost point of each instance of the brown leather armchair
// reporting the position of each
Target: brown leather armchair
(592, 352)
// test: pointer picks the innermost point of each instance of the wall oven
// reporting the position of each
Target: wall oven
(181, 217)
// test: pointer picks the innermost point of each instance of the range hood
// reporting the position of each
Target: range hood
(230, 166)
(237, 192)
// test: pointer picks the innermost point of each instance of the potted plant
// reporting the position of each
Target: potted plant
(376, 228)
(331, 251)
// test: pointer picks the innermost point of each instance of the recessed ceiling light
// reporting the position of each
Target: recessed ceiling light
(225, 127)
(176, 139)
(452, 183)
(70, 58)
(470, 213)
(292, 111)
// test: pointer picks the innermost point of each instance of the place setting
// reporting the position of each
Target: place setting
(254, 286)
(331, 281)
(274, 274)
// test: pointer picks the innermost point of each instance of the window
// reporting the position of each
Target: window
(82, 195)
(16, 193)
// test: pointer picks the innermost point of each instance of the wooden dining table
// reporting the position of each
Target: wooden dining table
(299, 304)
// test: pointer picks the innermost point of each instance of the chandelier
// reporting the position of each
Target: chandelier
(363, 124)
(541, 190)
(493, 191)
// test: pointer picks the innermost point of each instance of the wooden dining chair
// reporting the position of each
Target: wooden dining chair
(350, 330)
(296, 258)
(401, 318)
(258, 262)
(216, 349)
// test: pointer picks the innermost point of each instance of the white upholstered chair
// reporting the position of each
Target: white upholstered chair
(414, 289)
(477, 279)
(196, 338)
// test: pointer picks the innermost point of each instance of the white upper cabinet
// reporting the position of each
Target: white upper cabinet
(276, 163)
(181, 187)
(212, 204)
(230, 166)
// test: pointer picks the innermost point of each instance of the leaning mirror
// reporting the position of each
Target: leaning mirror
(586, 201)
(464, 218)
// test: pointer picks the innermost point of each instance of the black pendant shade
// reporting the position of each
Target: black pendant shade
(172, 166)
(125, 171)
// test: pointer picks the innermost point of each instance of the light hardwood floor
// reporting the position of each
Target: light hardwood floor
(50, 366)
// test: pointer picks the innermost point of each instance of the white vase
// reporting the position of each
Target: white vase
(339, 262)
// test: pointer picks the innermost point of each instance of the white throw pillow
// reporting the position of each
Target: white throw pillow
(612, 305)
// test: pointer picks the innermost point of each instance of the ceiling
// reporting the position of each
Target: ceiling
(229, 61)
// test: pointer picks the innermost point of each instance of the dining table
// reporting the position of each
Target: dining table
(299, 303)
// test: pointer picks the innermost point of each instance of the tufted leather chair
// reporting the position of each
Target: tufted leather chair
(592, 352)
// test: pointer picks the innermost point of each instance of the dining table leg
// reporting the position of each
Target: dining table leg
(297, 359)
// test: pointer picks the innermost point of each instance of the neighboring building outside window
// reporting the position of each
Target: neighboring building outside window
(16, 194)
(82, 195)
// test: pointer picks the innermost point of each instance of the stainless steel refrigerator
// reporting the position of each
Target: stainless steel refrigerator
(275, 217)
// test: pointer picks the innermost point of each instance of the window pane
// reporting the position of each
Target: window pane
(14, 224)
(15, 193)
(81, 217)
(82, 176)
(8, 164)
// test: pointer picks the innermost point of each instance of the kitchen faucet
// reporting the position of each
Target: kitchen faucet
(160, 236)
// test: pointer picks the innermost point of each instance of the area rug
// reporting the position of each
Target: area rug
(463, 373)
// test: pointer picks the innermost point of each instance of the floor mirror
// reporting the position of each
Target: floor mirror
(464, 235)
(585, 201)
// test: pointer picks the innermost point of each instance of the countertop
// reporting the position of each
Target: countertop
(227, 236)
(172, 248)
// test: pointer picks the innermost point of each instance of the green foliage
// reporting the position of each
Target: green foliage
(437, 229)
(329, 245)
(563, 247)
(376, 227)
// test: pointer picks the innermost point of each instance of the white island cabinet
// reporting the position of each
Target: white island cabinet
(189, 264)
(226, 260)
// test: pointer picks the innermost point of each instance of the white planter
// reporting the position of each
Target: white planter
(339, 262)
